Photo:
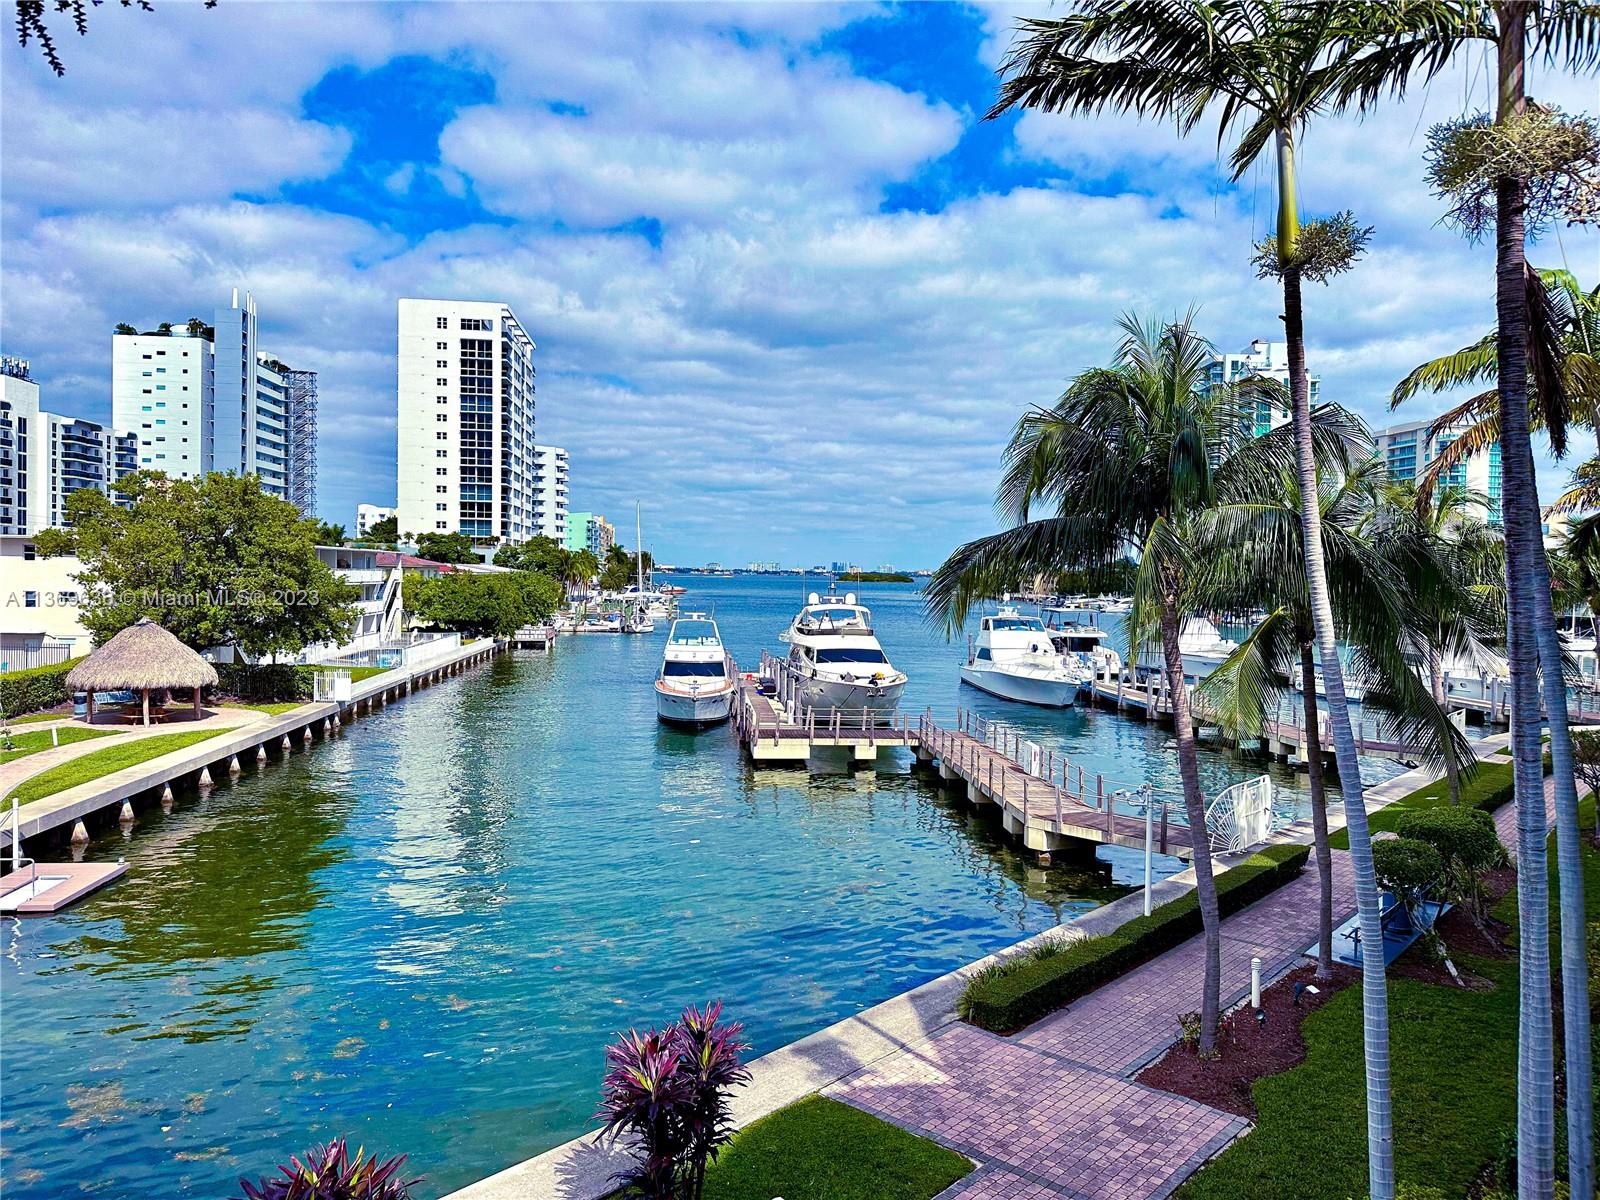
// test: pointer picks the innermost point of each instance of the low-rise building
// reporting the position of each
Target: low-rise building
(368, 515)
(39, 600)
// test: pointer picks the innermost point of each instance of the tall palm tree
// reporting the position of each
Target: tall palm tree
(1254, 558)
(1264, 68)
(1573, 320)
(1130, 458)
(1418, 37)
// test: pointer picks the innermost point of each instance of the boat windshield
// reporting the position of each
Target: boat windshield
(711, 670)
(853, 654)
(1029, 624)
(824, 616)
(695, 633)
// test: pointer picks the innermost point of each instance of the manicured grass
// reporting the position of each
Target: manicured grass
(274, 707)
(819, 1149)
(1454, 1071)
(40, 739)
(44, 716)
(357, 674)
(103, 762)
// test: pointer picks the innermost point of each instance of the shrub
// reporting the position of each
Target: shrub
(1467, 845)
(669, 1090)
(1022, 989)
(330, 1173)
(34, 688)
(264, 682)
(1594, 963)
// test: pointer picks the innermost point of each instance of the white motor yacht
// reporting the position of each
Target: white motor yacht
(1015, 657)
(838, 659)
(1202, 644)
(1084, 640)
(696, 684)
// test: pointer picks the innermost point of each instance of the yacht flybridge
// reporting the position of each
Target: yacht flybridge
(696, 683)
(837, 658)
(1083, 640)
(1017, 658)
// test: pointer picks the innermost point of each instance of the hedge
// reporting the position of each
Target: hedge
(35, 688)
(264, 682)
(1009, 995)
(1491, 786)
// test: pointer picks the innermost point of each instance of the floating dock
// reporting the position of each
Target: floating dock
(39, 889)
(773, 728)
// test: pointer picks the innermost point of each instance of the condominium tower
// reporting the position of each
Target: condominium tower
(1410, 449)
(1267, 360)
(467, 459)
(550, 492)
(45, 457)
(205, 398)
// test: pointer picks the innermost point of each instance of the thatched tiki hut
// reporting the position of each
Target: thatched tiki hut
(140, 658)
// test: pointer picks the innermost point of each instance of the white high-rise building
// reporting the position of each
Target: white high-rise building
(207, 398)
(550, 492)
(1410, 448)
(45, 457)
(1269, 360)
(466, 416)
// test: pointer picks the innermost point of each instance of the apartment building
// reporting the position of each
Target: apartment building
(1410, 448)
(550, 492)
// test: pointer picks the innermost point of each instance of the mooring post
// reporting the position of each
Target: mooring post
(80, 833)
(233, 764)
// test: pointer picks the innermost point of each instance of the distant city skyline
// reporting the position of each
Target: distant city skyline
(789, 289)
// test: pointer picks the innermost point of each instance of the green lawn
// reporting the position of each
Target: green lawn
(103, 762)
(44, 716)
(39, 739)
(357, 674)
(274, 707)
(819, 1149)
(1454, 1086)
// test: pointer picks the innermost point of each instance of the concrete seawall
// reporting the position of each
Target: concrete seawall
(105, 796)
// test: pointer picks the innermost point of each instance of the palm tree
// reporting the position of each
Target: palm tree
(1255, 558)
(1130, 457)
(1572, 317)
(1493, 190)
(1267, 68)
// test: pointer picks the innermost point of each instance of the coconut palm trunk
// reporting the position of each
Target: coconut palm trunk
(1319, 809)
(1535, 1066)
(1375, 1002)
(1194, 805)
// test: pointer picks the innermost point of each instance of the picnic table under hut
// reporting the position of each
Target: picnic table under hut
(142, 658)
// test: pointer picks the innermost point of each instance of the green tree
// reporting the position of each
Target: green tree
(386, 530)
(542, 554)
(328, 534)
(1512, 173)
(216, 561)
(1263, 68)
(1467, 845)
(1254, 558)
(1132, 458)
(481, 604)
(446, 548)
(124, 328)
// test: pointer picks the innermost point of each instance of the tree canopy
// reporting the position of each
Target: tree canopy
(446, 548)
(216, 561)
(484, 605)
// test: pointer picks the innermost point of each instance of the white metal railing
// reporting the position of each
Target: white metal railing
(1242, 816)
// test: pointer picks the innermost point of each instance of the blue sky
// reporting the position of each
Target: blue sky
(789, 289)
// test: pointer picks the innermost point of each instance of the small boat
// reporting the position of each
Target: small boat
(598, 623)
(671, 589)
(837, 658)
(696, 685)
(1015, 658)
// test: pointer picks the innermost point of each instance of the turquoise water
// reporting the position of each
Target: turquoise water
(423, 933)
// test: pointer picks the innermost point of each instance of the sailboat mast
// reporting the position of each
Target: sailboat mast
(638, 546)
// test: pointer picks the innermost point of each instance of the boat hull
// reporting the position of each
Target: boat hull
(851, 697)
(697, 710)
(1025, 689)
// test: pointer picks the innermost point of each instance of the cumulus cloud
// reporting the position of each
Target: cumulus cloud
(689, 208)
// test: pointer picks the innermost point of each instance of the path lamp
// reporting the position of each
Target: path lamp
(1149, 842)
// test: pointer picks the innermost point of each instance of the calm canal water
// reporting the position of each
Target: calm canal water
(423, 933)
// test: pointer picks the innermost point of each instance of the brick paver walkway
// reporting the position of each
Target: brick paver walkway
(1053, 1113)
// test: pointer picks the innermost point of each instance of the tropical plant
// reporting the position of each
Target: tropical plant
(386, 530)
(446, 548)
(216, 561)
(482, 605)
(331, 1172)
(1467, 845)
(1407, 868)
(124, 328)
(1264, 68)
(1254, 558)
(1514, 158)
(1130, 458)
(668, 1090)
(1586, 760)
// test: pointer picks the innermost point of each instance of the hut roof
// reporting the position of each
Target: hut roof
(143, 655)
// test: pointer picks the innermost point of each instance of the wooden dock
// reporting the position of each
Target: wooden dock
(1055, 806)
(775, 728)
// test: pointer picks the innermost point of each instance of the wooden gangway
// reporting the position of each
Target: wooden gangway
(1045, 800)
(1281, 734)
